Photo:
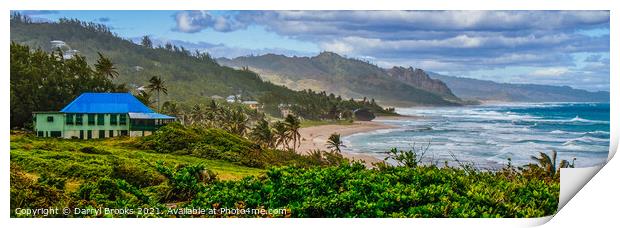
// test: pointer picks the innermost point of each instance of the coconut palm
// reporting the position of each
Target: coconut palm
(549, 164)
(144, 97)
(293, 124)
(262, 134)
(196, 114)
(280, 134)
(237, 121)
(170, 108)
(334, 143)
(158, 85)
(105, 67)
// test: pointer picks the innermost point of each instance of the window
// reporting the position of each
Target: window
(69, 119)
(101, 134)
(124, 132)
(89, 134)
(100, 119)
(123, 120)
(81, 134)
(55, 134)
(113, 119)
(91, 119)
(78, 119)
(111, 133)
(40, 133)
(50, 119)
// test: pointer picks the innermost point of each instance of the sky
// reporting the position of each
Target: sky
(541, 47)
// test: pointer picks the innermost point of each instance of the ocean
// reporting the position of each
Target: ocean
(487, 135)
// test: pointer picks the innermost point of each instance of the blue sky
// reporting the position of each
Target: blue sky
(543, 47)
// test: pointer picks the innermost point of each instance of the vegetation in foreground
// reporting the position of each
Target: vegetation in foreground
(208, 169)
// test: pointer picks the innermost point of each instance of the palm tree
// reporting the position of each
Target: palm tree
(105, 67)
(280, 133)
(549, 165)
(236, 121)
(293, 125)
(157, 84)
(196, 114)
(170, 108)
(262, 133)
(334, 143)
(144, 97)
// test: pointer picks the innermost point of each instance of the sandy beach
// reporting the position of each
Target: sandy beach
(315, 137)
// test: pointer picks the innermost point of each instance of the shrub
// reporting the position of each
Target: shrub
(93, 150)
(136, 175)
(353, 191)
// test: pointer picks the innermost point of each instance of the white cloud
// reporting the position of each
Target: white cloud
(557, 71)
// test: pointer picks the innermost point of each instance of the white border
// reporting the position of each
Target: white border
(307, 5)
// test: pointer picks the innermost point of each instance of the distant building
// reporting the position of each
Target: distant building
(100, 115)
(231, 99)
(285, 110)
(252, 104)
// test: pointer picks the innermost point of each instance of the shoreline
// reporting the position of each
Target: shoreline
(315, 137)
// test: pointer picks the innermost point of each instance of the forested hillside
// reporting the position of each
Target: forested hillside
(190, 77)
(349, 77)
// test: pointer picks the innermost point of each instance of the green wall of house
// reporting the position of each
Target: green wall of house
(70, 125)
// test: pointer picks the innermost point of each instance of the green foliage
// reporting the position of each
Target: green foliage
(213, 143)
(27, 192)
(93, 150)
(42, 81)
(322, 184)
(190, 78)
(354, 191)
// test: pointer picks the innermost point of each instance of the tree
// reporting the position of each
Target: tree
(196, 115)
(170, 108)
(42, 81)
(280, 133)
(334, 143)
(105, 67)
(237, 121)
(145, 97)
(548, 163)
(293, 124)
(262, 134)
(146, 42)
(158, 85)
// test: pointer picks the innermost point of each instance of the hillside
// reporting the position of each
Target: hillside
(190, 78)
(468, 88)
(348, 77)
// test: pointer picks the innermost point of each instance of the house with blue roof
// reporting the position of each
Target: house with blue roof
(100, 115)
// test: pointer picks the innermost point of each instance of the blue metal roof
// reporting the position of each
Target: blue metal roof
(154, 115)
(109, 103)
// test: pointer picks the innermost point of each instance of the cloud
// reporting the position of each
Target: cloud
(447, 41)
(593, 58)
(556, 71)
(196, 21)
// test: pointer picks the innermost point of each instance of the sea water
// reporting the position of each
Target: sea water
(488, 135)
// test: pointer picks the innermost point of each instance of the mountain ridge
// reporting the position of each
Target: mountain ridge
(349, 77)
(487, 90)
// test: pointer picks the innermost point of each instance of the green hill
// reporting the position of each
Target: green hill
(190, 77)
(349, 77)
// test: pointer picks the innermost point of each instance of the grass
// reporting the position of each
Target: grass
(66, 157)
(312, 123)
